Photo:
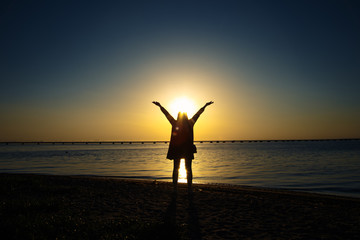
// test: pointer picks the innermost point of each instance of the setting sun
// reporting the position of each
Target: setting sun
(182, 104)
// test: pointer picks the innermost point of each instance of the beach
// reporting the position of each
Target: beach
(82, 207)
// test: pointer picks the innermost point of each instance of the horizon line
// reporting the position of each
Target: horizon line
(167, 141)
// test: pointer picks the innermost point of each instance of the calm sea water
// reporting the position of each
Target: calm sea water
(318, 166)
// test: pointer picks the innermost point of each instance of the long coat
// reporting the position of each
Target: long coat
(182, 136)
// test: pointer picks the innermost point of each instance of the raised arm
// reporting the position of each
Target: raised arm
(197, 115)
(166, 113)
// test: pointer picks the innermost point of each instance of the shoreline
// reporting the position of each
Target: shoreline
(229, 185)
(50, 206)
(233, 186)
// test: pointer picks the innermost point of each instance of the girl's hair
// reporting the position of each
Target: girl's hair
(182, 116)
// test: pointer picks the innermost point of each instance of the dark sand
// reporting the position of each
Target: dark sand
(70, 207)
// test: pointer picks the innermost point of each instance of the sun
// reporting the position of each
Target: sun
(182, 104)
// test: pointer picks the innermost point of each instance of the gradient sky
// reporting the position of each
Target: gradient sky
(73, 70)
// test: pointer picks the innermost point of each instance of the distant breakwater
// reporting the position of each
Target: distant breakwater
(162, 142)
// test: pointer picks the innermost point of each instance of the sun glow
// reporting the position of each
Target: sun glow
(182, 104)
(182, 172)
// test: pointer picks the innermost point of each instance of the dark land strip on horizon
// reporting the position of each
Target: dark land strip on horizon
(166, 142)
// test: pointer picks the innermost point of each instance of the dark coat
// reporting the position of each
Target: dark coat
(182, 136)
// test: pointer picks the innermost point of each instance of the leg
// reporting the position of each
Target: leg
(175, 175)
(188, 172)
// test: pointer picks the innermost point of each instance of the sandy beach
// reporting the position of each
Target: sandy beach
(77, 207)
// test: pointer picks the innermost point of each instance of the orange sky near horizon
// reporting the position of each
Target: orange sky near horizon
(124, 111)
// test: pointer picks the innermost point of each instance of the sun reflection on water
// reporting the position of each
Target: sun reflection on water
(182, 172)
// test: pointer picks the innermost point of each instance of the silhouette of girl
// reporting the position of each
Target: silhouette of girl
(182, 141)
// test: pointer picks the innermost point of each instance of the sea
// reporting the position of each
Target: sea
(329, 167)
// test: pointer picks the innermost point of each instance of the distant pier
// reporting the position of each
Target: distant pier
(162, 142)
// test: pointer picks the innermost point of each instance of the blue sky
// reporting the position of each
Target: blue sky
(276, 69)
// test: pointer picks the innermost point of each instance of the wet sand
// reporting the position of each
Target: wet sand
(44, 207)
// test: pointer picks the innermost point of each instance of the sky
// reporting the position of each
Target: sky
(89, 70)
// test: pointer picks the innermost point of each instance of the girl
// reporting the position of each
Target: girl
(182, 141)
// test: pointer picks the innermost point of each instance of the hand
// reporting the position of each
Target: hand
(156, 103)
(209, 103)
